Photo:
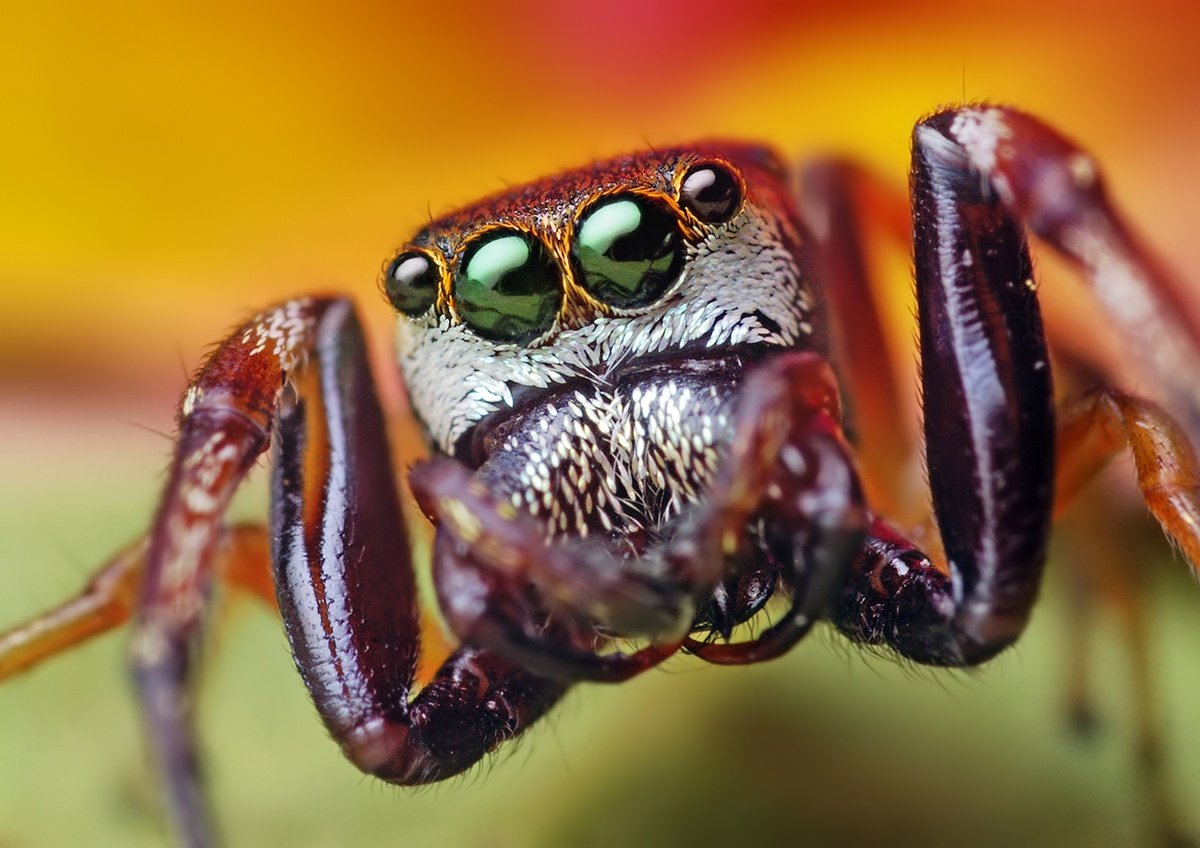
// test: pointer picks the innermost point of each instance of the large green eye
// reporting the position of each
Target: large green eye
(508, 288)
(411, 282)
(629, 250)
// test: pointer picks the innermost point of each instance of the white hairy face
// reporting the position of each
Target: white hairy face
(741, 284)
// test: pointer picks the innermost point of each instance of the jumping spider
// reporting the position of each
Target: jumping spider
(624, 375)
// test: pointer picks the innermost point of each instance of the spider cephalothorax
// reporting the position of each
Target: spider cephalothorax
(630, 262)
(582, 347)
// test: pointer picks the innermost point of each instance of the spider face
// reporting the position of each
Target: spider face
(659, 259)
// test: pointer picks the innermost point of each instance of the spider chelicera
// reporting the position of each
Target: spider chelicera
(626, 374)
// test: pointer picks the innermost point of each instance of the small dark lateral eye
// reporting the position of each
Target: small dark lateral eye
(411, 282)
(710, 192)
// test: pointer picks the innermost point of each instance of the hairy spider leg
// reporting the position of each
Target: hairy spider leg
(1093, 429)
(105, 601)
(844, 206)
(502, 586)
(108, 599)
(978, 315)
(1096, 428)
(1057, 190)
(331, 461)
(347, 590)
(225, 420)
(989, 428)
(1106, 422)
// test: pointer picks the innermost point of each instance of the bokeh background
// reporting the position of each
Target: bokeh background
(167, 168)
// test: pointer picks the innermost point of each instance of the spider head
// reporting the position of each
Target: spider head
(674, 255)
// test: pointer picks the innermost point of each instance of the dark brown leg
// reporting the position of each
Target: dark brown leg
(1055, 187)
(347, 592)
(989, 428)
(343, 574)
(977, 172)
(225, 420)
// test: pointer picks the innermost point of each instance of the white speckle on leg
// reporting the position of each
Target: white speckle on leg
(282, 330)
(193, 396)
(980, 132)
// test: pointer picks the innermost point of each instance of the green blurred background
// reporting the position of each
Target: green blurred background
(164, 170)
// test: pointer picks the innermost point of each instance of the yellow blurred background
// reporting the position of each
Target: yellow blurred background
(167, 168)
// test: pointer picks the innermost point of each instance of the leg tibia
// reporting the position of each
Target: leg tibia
(347, 592)
(224, 424)
(1168, 473)
(107, 601)
(104, 603)
(1054, 186)
(989, 422)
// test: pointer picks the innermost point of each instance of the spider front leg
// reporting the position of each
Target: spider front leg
(225, 422)
(347, 592)
(989, 429)
(979, 176)
(343, 572)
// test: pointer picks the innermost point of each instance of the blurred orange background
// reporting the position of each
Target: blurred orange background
(165, 169)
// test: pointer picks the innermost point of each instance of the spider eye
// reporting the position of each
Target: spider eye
(710, 192)
(411, 282)
(508, 288)
(629, 250)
